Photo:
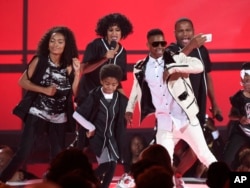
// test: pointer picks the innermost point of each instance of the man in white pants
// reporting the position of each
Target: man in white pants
(162, 86)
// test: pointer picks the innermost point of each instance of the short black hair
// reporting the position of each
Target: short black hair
(184, 19)
(68, 161)
(153, 32)
(245, 66)
(217, 174)
(111, 70)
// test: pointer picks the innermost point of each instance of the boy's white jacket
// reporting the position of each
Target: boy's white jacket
(177, 83)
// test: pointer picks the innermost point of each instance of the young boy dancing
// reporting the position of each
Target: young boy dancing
(102, 114)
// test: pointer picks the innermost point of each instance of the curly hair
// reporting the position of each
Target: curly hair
(114, 19)
(70, 49)
(244, 157)
(111, 70)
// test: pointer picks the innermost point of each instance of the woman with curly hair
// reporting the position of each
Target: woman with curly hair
(103, 50)
(51, 78)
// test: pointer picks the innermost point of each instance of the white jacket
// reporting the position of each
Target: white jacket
(178, 84)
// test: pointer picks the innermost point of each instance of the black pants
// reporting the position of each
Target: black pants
(34, 127)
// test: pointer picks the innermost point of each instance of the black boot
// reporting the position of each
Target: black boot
(105, 173)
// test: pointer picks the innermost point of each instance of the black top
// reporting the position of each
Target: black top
(22, 109)
(240, 106)
(109, 121)
(95, 51)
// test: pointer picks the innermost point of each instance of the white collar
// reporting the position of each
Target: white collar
(107, 95)
(159, 59)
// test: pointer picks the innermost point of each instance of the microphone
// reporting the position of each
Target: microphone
(218, 117)
(113, 44)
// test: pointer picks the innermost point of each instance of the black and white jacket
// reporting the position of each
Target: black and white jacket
(178, 84)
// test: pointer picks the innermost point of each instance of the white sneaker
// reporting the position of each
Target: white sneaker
(179, 182)
(126, 181)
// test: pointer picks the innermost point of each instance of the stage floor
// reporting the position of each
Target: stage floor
(190, 183)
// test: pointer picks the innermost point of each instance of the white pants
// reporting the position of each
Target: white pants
(193, 135)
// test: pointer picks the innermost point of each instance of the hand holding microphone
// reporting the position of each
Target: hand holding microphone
(113, 44)
(217, 116)
(111, 53)
(108, 56)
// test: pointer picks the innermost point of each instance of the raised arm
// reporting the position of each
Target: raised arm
(196, 42)
(185, 64)
(77, 74)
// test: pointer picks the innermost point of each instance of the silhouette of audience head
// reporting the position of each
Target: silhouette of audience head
(155, 176)
(6, 154)
(158, 154)
(140, 166)
(218, 175)
(71, 166)
(153, 155)
(76, 179)
(244, 160)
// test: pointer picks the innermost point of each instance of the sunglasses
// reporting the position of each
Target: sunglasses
(156, 43)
